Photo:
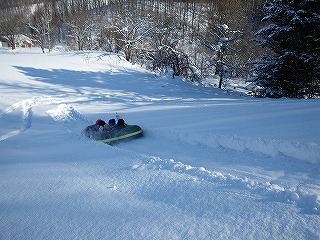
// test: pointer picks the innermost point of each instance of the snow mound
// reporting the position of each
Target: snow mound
(69, 117)
(66, 113)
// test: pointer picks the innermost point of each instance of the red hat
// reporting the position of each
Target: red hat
(98, 122)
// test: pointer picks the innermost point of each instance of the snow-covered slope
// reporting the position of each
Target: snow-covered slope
(211, 165)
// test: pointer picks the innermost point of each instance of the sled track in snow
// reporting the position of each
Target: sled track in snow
(308, 152)
(26, 116)
(64, 113)
(72, 120)
(308, 203)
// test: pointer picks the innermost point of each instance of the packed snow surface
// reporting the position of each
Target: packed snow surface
(211, 164)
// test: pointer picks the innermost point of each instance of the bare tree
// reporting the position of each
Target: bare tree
(129, 33)
(82, 28)
(40, 25)
(12, 22)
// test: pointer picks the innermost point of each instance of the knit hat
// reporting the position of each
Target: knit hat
(100, 122)
(120, 122)
(112, 122)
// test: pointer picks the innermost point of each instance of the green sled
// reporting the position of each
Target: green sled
(127, 132)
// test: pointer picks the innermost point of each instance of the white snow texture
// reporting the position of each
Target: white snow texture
(211, 164)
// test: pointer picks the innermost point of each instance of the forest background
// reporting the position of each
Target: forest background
(196, 39)
(197, 34)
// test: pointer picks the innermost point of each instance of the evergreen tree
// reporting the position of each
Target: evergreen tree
(293, 35)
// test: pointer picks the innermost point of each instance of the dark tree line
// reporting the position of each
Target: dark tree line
(196, 39)
(292, 69)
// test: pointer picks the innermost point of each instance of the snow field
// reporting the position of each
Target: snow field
(210, 165)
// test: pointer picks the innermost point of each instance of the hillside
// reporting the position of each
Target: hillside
(211, 164)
